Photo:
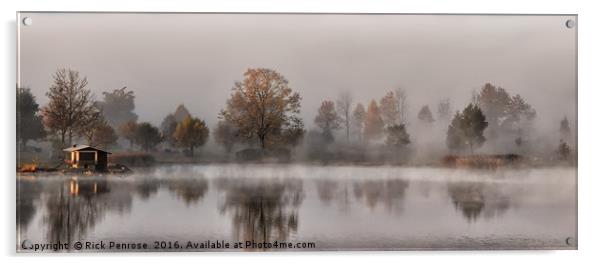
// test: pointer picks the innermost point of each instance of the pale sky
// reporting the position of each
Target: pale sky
(194, 59)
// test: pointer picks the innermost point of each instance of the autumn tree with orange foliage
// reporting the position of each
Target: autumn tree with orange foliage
(261, 107)
(191, 133)
(373, 124)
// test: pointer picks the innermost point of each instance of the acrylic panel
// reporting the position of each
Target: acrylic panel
(295, 132)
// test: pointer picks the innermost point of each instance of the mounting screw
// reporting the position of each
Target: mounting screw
(27, 21)
(570, 23)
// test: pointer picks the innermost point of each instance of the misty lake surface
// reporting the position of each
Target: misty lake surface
(336, 207)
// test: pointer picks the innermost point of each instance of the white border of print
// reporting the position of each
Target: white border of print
(589, 128)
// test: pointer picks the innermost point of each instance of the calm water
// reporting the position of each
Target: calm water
(336, 207)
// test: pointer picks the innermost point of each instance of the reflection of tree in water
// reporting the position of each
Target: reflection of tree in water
(476, 199)
(28, 193)
(147, 187)
(326, 190)
(389, 192)
(78, 204)
(263, 210)
(329, 190)
(191, 190)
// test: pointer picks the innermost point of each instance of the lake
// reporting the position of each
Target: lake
(332, 207)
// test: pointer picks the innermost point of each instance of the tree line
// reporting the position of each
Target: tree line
(262, 112)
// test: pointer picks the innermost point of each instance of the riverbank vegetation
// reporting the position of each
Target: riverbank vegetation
(260, 122)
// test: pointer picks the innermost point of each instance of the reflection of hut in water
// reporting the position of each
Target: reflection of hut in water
(86, 157)
(78, 204)
(86, 187)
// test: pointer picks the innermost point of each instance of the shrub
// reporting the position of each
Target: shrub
(131, 159)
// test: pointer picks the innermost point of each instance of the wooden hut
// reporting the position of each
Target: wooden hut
(86, 157)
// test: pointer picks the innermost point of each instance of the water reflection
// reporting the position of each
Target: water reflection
(264, 204)
(79, 204)
(389, 192)
(190, 190)
(147, 187)
(262, 210)
(28, 194)
(476, 199)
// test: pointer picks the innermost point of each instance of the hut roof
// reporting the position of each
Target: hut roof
(80, 147)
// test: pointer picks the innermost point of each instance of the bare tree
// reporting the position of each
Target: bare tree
(344, 110)
(402, 105)
(70, 105)
(225, 134)
(128, 131)
(327, 119)
(100, 134)
(444, 110)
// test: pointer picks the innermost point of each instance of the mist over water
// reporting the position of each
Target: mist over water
(336, 207)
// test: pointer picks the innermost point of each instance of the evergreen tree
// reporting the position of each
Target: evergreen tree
(425, 115)
(29, 122)
(397, 136)
(466, 129)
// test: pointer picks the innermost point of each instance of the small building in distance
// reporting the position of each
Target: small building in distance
(86, 157)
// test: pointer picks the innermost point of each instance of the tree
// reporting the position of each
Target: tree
(466, 129)
(70, 105)
(444, 110)
(455, 134)
(344, 108)
(564, 150)
(29, 123)
(100, 134)
(373, 124)
(389, 109)
(397, 136)
(89, 125)
(191, 133)
(168, 128)
(519, 109)
(402, 105)
(225, 134)
(507, 115)
(294, 133)
(565, 129)
(261, 106)
(359, 115)
(181, 113)
(129, 131)
(147, 136)
(493, 101)
(327, 119)
(118, 107)
(425, 115)
(518, 114)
